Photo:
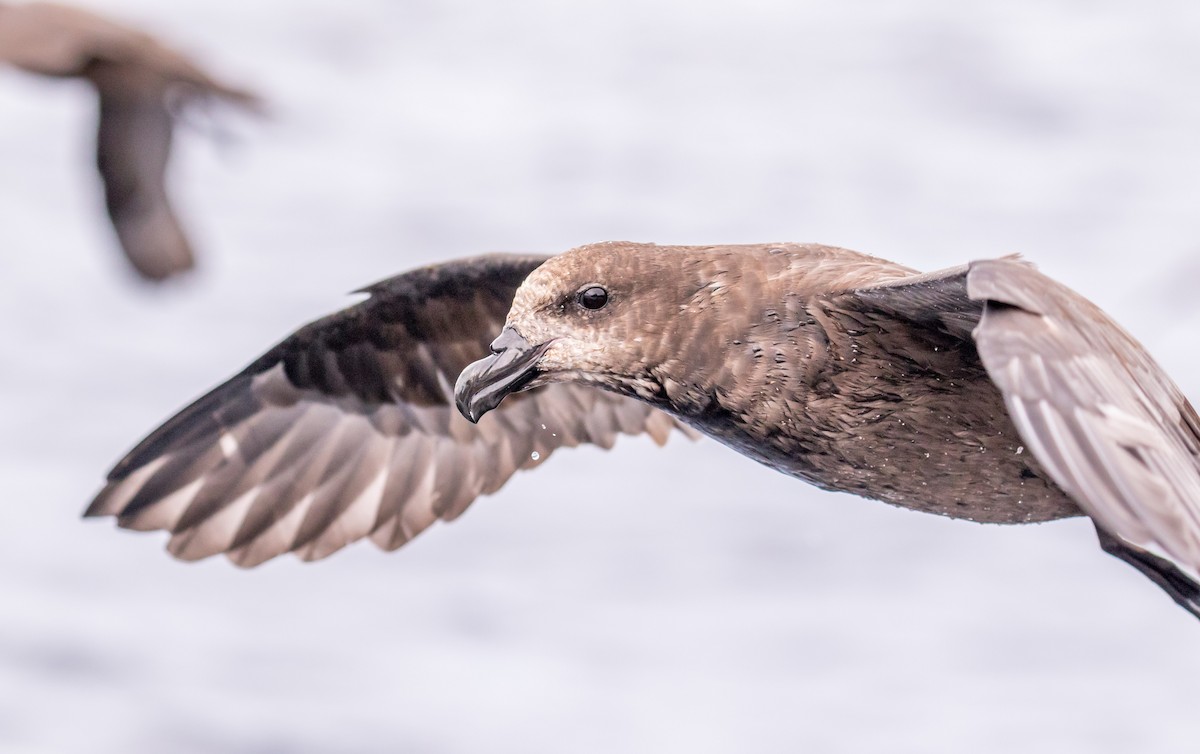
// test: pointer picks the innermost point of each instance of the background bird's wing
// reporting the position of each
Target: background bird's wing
(58, 40)
(1102, 417)
(346, 429)
(133, 146)
(139, 81)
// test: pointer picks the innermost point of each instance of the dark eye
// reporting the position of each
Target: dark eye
(593, 297)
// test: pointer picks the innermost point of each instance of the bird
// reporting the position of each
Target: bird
(988, 392)
(141, 84)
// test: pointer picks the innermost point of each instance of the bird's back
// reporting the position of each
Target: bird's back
(878, 391)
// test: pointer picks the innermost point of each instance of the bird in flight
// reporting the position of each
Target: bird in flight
(986, 392)
(142, 84)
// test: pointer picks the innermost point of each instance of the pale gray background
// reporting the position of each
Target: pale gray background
(636, 600)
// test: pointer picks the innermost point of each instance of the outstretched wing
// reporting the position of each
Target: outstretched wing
(1104, 420)
(347, 429)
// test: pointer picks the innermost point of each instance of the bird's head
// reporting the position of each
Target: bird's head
(606, 314)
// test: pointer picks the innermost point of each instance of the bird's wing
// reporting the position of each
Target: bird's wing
(932, 301)
(1104, 420)
(1101, 417)
(346, 429)
(133, 145)
(55, 40)
(58, 40)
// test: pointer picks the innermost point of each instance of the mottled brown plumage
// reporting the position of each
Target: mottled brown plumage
(797, 357)
(139, 81)
(986, 392)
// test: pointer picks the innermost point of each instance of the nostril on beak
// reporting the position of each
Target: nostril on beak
(508, 338)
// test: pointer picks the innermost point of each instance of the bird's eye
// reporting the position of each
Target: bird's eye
(593, 297)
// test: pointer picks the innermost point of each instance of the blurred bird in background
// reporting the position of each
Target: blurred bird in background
(143, 85)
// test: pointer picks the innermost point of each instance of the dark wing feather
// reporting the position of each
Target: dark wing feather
(1106, 422)
(935, 301)
(347, 428)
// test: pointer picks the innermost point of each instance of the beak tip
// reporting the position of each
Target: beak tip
(463, 400)
(483, 384)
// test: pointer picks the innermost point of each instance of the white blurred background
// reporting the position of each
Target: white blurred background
(682, 599)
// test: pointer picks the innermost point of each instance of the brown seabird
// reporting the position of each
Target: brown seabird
(987, 392)
(140, 83)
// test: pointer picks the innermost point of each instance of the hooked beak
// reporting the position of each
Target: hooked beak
(483, 384)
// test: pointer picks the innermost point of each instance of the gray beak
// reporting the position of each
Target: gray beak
(483, 384)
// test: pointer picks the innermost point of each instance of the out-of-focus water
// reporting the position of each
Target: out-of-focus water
(682, 599)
